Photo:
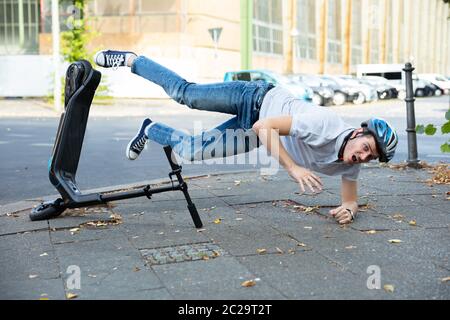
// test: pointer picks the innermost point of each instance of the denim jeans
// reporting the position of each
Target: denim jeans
(240, 98)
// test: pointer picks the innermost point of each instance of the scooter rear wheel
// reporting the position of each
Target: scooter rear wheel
(47, 210)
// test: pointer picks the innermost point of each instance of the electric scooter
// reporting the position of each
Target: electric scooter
(81, 82)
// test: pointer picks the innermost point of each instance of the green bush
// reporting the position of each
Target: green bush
(431, 130)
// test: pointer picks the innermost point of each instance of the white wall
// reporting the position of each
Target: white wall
(25, 76)
(32, 76)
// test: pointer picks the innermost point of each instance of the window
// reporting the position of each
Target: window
(19, 27)
(267, 26)
(306, 26)
(334, 31)
(356, 32)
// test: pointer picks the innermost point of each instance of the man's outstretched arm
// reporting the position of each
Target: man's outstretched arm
(269, 131)
(347, 211)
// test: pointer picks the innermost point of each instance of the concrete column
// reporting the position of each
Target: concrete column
(445, 69)
(396, 39)
(383, 14)
(347, 36)
(366, 20)
(425, 53)
(438, 36)
(322, 34)
(432, 54)
(289, 25)
(417, 26)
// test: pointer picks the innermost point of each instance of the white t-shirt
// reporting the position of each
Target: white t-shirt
(316, 134)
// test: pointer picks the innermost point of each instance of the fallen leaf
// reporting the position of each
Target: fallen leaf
(261, 251)
(309, 228)
(248, 283)
(43, 255)
(71, 295)
(445, 279)
(92, 275)
(201, 230)
(15, 215)
(216, 253)
(291, 251)
(413, 223)
(301, 245)
(395, 241)
(239, 219)
(350, 247)
(389, 288)
(371, 232)
(32, 276)
(237, 182)
(74, 230)
(205, 257)
(136, 269)
(279, 250)
(398, 216)
(218, 220)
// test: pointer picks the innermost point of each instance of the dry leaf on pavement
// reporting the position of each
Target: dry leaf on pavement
(447, 279)
(71, 295)
(395, 241)
(371, 232)
(248, 283)
(389, 288)
(413, 223)
(218, 220)
(279, 250)
(261, 251)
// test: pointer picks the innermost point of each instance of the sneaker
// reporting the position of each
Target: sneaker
(137, 144)
(112, 59)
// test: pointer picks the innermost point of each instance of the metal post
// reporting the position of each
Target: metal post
(412, 161)
(56, 62)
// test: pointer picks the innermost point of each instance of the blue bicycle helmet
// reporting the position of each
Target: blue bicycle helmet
(385, 137)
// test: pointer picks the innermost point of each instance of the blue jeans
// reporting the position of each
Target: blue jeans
(240, 98)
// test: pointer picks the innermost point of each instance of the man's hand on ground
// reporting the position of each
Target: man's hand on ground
(342, 215)
(305, 177)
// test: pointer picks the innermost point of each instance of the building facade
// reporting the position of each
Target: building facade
(288, 36)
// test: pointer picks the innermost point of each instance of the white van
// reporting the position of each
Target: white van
(392, 72)
(387, 71)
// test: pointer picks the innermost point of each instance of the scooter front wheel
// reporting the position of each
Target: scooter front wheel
(47, 210)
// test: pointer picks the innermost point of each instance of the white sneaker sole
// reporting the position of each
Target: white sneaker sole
(131, 155)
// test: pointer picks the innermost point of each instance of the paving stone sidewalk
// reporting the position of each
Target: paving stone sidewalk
(256, 228)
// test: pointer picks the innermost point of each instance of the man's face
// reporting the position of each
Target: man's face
(361, 149)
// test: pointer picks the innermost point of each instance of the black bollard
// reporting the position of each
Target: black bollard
(413, 160)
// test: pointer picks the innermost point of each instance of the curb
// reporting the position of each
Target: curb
(11, 208)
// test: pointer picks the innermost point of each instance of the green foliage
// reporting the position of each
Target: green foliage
(431, 130)
(74, 42)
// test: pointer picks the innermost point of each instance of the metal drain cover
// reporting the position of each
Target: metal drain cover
(174, 254)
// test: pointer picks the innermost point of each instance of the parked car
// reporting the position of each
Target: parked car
(299, 90)
(323, 94)
(438, 80)
(341, 94)
(384, 89)
(365, 93)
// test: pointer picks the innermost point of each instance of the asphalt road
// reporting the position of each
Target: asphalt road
(26, 144)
